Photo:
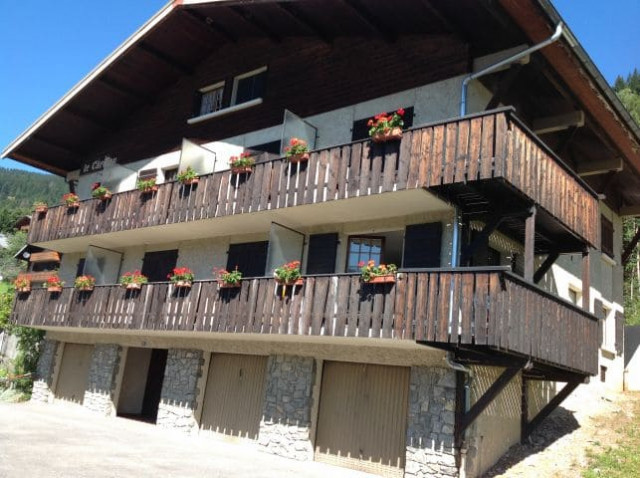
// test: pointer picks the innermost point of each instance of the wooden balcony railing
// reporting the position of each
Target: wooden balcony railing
(486, 146)
(475, 307)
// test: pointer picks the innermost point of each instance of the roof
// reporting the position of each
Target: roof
(179, 37)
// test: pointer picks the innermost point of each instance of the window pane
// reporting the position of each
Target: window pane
(251, 87)
(211, 101)
(363, 249)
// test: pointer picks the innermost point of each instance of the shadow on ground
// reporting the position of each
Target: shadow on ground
(560, 423)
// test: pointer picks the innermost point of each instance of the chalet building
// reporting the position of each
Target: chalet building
(501, 205)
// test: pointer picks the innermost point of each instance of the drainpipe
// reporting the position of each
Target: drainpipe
(458, 367)
(507, 61)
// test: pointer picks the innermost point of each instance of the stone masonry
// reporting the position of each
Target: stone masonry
(179, 390)
(101, 383)
(431, 416)
(286, 417)
(44, 371)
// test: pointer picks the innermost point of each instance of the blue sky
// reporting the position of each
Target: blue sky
(48, 46)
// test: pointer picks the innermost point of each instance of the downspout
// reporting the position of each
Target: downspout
(507, 61)
(458, 367)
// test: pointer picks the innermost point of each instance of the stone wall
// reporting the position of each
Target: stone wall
(286, 418)
(44, 371)
(179, 390)
(101, 383)
(431, 416)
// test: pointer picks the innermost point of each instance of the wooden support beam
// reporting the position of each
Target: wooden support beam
(433, 11)
(548, 408)
(551, 124)
(545, 266)
(122, 89)
(461, 400)
(529, 245)
(163, 57)
(628, 250)
(88, 118)
(504, 85)
(593, 168)
(38, 164)
(565, 140)
(53, 144)
(306, 20)
(630, 211)
(372, 22)
(211, 24)
(524, 408)
(481, 404)
(251, 19)
(586, 281)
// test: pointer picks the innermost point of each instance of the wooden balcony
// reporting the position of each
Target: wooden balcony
(492, 148)
(486, 309)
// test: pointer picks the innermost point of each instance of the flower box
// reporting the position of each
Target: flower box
(150, 189)
(86, 288)
(105, 197)
(183, 284)
(392, 134)
(229, 285)
(54, 288)
(299, 158)
(133, 286)
(386, 279)
(41, 209)
(22, 290)
(189, 182)
(242, 170)
(293, 282)
(73, 205)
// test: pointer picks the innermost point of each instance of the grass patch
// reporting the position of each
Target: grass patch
(623, 459)
(5, 286)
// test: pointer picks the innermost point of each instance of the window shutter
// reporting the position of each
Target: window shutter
(249, 257)
(157, 265)
(360, 130)
(619, 333)
(598, 311)
(422, 244)
(321, 258)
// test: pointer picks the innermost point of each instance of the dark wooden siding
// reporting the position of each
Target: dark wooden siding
(490, 308)
(489, 146)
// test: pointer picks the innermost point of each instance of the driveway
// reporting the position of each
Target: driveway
(67, 441)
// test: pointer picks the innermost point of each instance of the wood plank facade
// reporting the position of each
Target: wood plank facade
(492, 146)
(488, 307)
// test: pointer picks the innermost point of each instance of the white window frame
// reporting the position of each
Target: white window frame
(209, 88)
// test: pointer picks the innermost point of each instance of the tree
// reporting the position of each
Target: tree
(9, 265)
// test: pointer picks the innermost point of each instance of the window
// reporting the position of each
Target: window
(606, 236)
(145, 174)
(574, 296)
(211, 99)
(250, 258)
(363, 249)
(170, 174)
(249, 86)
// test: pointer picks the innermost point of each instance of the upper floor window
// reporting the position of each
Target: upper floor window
(249, 86)
(364, 249)
(211, 98)
(606, 236)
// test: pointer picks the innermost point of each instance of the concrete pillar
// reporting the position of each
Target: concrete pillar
(101, 382)
(430, 423)
(286, 418)
(180, 390)
(43, 381)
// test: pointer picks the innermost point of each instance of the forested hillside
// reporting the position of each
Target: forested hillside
(628, 91)
(20, 189)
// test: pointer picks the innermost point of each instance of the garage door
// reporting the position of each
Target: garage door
(362, 417)
(74, 371)
(234, 395)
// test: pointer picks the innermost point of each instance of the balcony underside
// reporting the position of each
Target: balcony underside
(486, 309)
(491, 147)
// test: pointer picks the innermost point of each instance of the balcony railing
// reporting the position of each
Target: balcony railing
(473, 307)
(491, 145)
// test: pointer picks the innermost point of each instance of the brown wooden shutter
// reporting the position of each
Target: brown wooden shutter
(619, 333)
(249, 257)
(322, 253)
(422, 245)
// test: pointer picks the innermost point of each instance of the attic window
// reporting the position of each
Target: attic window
(249, 86)
(211, 98)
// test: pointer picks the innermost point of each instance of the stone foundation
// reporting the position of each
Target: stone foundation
(431, 416)
(101, 382)
(43, 381)
(179, 390)
(286, 418)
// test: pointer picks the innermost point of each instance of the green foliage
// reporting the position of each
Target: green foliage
(9, 265)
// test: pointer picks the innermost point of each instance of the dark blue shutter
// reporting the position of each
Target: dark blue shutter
(422, 245)
(321, 258)
(249, 257)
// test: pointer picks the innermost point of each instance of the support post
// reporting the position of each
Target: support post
(524, 411)
(586, 281)
(549, 407)
(529, 245)
(545, 266)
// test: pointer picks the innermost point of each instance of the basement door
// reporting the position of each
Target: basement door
(234, 394)
(362, 418)
(74, 372)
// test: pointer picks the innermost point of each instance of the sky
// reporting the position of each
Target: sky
(46, 47)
